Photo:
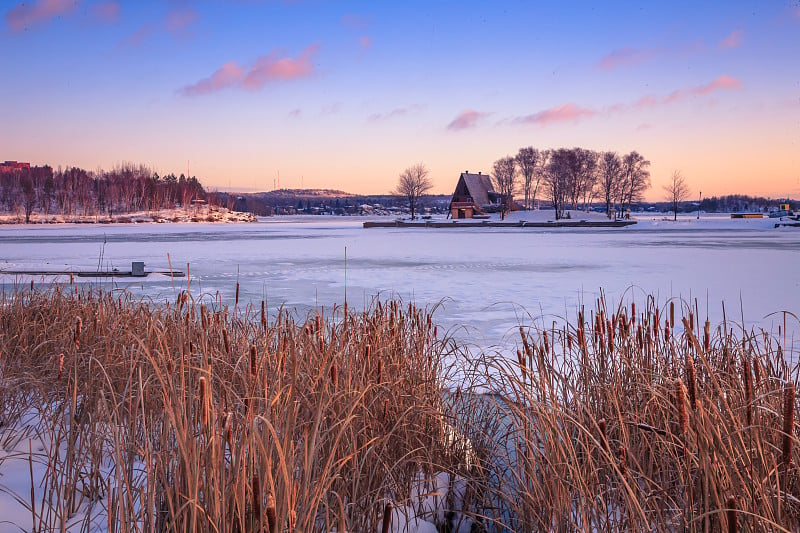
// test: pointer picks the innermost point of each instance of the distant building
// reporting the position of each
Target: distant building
(11, 166)
(474, 195)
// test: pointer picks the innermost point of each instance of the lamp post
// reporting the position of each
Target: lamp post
(700, 199)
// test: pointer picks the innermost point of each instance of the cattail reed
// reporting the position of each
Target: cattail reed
(691, 382)
(623, 461)
(672, 314)
(748, 390)
(76, 339)
(680, 405)
(733, 520)
(272, 518)
(236, 301)
(226, 340)
(603, 436)
(203, 400)
(788, 423)
(253, 361)
(387, 517)
(263, 316)
(256, 501)
(706, 336)
(227, 428)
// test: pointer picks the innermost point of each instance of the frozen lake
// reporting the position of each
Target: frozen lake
(488, 281)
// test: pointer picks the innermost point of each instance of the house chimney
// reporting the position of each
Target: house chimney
(466, 172)
(479, 173)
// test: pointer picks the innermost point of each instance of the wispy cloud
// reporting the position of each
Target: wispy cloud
(733, 40)
(721, 83)
(179, 20)
(626, 57)
(365, 41)
(469, 118)
(295, 113)
(227, 75)
(561, 113)
(394, 113)
(106, 12)
(573, 112)
(272, 67)
(27, 14)
(139, 36)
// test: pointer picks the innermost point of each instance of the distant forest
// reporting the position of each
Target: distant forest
(74, 191)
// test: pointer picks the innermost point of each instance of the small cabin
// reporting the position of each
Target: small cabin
(474, 195)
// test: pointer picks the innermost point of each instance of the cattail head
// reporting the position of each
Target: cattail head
(202, 394)
(253, 361)
(788, 423)
(256, 503)
(236, 301)
(78, 329)
(272, 519)
(707, 336)
(387, 517)
(227, 428)
(680, 405)
(733, 521)
(226, 341)
(334, 374)
(672, 314)
(691, 381)
(263, 316)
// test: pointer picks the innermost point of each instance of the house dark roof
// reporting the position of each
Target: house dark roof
(479, 186)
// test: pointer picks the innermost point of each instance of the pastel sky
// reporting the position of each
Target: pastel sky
(346, 94)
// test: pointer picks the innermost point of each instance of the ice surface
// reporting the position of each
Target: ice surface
(487, 280)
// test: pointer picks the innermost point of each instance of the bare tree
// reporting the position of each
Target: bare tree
(413, 184)
(505, 181)
(677, 191)
(557, 179)
(528, 159)
(636, 178)
(610, 178)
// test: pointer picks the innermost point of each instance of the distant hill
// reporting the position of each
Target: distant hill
(322, 201)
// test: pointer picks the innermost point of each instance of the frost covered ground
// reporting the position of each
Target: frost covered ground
(487, 280)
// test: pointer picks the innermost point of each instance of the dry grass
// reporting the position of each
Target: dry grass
(212, 420)
(190, 417)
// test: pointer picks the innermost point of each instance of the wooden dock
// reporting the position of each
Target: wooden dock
(93, 273)
(459, 224)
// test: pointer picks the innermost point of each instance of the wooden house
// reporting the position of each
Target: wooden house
(474, 195)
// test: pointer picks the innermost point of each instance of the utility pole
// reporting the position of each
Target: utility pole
(700, 199)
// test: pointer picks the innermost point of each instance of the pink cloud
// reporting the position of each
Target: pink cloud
(394, 113)
(179, 20)
(625, 57)
(468, 118)
(107, 12)
(227, 75)
(365, 42)
(295, 113)
(721, 83)
(271, 67)
(28, 14)
(733, 40)
(561, 113)
(139, 36)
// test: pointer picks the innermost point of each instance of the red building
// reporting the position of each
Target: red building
(11, 166)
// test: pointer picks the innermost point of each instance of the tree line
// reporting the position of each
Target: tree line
(570, 178)
(74, 191)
